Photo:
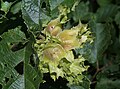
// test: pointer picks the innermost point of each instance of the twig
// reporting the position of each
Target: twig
(100, 69)
(97, 70)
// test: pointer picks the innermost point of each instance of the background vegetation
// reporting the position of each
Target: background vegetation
(21, 21)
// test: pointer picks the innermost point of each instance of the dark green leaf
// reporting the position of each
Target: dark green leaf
(18, 83)
(76, 87)
(117, 19)
(33, 14)
(55, 3)
(102, 40)
(81, 12)
(119, 38)
(14, 36)
(9, 59)
(103, 2)
(32, 75)
(105, 83)
(70, 3)
(85, 51)
(106, 13)
(16, 8)
(117, 2)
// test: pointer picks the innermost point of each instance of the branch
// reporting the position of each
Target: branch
(100, 69)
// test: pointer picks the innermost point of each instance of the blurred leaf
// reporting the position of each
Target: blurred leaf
(76, 87)
(105, 83)
(81, 12)
(117, 19)
(85, 51)
(114, 48)
(9, 59)
(106, 13)
(104, 2)
(55, 12)
(2, 19)
(119, 38)
(113, 68)
(102, 40)
(16, 8)
(55, 3)
(33, 14)
(5, 6)
(70, 3)
(86, 83)
(117, 2)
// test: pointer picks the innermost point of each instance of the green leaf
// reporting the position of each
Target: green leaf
(113, 68)
(117, 19)
(55, 3)
(5, 6)
(85, 51)
(70, 3)
(9, 59)
(33, 14)
(81, 12)
(76, 87)
(106, 13)
(103, 2)
(102, 40)
(86, 83)
(32, 75)
(105, 83)
(16, 8)
(14, 36)
(17, 84)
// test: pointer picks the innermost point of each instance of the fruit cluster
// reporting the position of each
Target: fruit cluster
(56, 51)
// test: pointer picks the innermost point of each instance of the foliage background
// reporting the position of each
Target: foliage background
(17, 39)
